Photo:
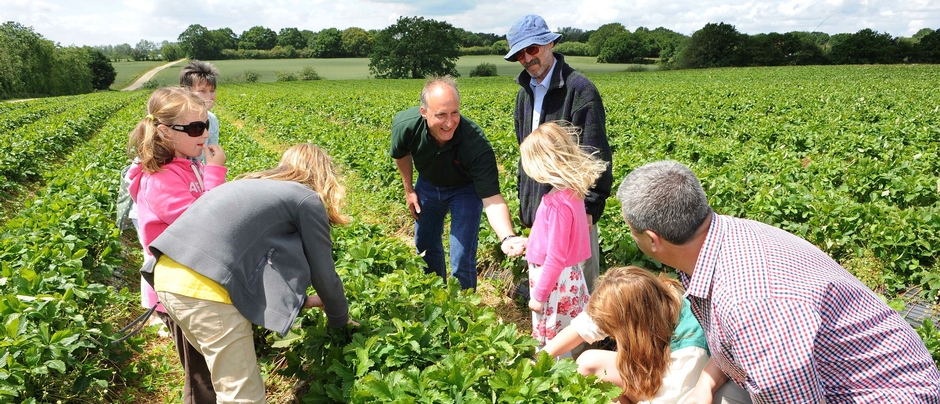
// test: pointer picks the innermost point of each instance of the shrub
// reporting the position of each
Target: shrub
(285, 76)
(150, 85)
(309, 73)
(574, 49)
(484, 70)
(252, 76)
(478, 50)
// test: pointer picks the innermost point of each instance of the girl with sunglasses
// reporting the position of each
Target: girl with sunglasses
(167, 178)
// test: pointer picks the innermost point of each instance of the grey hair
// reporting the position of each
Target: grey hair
(664, 197)
(435, 82)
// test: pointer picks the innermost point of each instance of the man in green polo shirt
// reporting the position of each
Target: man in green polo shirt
(457, 173)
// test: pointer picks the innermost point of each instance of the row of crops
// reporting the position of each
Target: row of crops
(845, 157)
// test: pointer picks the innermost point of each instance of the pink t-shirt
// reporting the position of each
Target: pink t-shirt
(560, 238)
(163, 196)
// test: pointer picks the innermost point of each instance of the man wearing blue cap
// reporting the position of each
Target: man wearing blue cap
(552, 90)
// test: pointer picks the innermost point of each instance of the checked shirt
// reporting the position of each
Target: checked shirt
(790, 325)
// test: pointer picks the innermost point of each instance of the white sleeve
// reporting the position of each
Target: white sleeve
(587, 328)
(685, 366)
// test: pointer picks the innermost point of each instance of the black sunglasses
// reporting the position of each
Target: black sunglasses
(531, 50)
(193, 129)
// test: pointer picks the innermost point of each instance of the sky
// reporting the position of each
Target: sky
(101, 22)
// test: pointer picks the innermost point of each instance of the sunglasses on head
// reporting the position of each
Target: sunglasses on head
(531, 50)
(193, 129)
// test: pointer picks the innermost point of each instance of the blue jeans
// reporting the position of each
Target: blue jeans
(465, 208)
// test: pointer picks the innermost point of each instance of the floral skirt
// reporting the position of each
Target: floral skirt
(568, 299)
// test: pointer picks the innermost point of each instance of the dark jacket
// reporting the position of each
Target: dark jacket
(573, 98)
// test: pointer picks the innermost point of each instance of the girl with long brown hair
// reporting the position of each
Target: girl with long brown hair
(661, 349)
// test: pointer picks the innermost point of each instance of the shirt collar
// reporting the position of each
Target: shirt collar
(703, 274)
(533, 82)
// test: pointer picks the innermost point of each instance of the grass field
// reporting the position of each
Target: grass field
(127, 72)
(358, 68)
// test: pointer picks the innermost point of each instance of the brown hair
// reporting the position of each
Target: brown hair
(311, 166)
(197, 72)
(165, 106)
(640, 311)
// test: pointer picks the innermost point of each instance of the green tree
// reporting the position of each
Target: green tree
(328, 44)
(415, 47)
(866, 47)
(171, 52)
(70, 73)
(144, 50)
(224, 38)
(501, 47)
(467, 38)
(262, 38)
(928, 49)
(123, 51)
(198, 42)
(102, 71)
(291, 37)
(715, 45)
(922, 33)
(624, 47)
(27, 59)
(357, 42)
(605, 32)
(571, 34)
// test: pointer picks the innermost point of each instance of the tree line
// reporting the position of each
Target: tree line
(715, 45)
(32, 66)
(416, 47)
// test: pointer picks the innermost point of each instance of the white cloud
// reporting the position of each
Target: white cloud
(99, 22)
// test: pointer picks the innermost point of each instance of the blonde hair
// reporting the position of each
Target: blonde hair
(551, 155)
(640, 311)
(165, 106)
(311, 166)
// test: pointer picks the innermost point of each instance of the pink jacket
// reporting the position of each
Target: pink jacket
(560, 238)
(164, 196)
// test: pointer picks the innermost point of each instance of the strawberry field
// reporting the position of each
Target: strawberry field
(846, 157)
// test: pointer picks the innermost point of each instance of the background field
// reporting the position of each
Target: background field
(846, 157)
(127, 72)
(358, 68)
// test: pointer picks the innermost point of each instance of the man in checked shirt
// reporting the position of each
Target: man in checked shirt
(782, 319)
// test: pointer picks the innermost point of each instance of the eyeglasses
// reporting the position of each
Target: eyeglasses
(193, 129)
(531, 50)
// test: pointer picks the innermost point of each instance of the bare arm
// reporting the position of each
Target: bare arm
(497, 213)
(406, 168)
(564, 341)
(709, 381)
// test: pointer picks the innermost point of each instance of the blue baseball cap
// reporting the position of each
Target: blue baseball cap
(528, 30)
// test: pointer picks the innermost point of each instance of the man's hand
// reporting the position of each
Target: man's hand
(411, 199)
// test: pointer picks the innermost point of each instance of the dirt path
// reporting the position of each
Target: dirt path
(149, 75)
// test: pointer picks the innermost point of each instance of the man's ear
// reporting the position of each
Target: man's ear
(424, 112)
(656, 242)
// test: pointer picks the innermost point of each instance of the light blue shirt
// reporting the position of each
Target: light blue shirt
(213, 134)
(539, 90)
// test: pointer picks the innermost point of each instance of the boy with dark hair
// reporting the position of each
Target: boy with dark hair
(200, 78)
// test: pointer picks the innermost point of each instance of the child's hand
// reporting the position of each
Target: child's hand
(515, 246)
(313, 301)
(536, 306)
(214, 155)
